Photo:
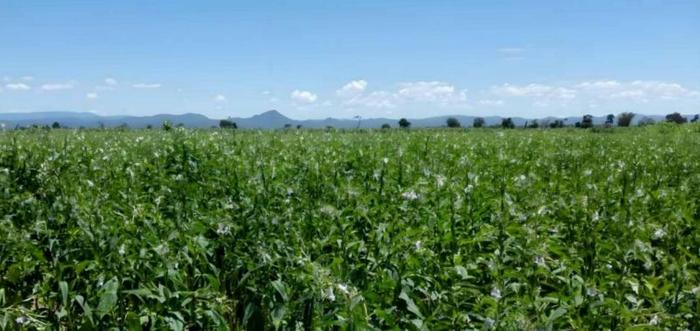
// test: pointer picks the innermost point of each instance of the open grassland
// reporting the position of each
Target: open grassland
(426, 229)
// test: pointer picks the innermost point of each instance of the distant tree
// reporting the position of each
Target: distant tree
(609, 120)
(330, 128)
(556, 124)
(453, 123)
(478, 122)
(507, 123)
(167, 126)
(149, 126)
(56, 125)
(180, 125)
(577, 124)
(404, 123)
(386, 126)
(676, 118)
(228, 124)
(695, 118)
(287, 126)
(534, 124)
(646, 121)
(587, 121)
(298, 126)
(101, 125)
(624, 119)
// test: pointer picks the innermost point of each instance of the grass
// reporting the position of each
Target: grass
(425, 229)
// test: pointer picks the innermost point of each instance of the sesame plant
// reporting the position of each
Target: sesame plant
(313, 230)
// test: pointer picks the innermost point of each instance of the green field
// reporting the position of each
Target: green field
(301, 229)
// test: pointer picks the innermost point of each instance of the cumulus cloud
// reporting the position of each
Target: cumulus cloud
(91, 95)
(111, 81)
(352, 88)
(57, 86)
(18, 87)
(431, 92)
(220, 98)
(146, 85)
(303, 97)
(596, 92)
(355, 94)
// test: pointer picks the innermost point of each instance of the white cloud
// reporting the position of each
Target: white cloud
(352, 88)
(220, 98)
(146, 85)
(431, 92)
(57, 86)
(377, 99)
(91, 95)
(111, 81)
(597, 92)
(491, 102)
(303, 97)
(27, 78)
(18, 86)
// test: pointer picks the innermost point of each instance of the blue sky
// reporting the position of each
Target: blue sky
(314, 59)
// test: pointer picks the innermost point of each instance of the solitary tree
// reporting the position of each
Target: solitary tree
(453, 123)
(167, 126)
(404, 123)
(676, 118)
(609, 120)
(386, 126)
(695, 118)
(227, 124)
(587, 121)
(56, 125)
(478, 122)
(624, 119)
(507, 123)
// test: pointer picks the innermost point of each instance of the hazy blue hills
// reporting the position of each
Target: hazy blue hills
(268, 120)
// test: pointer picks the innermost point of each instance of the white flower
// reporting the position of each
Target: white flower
(655, 320)
(410, 195)
(418, 245)
(658, 234)
(488, 323)
(223, 229)
(22, 320)
(591, 291)
(695, 290)
(469, 189)
(122, 249)
(496, 293)
(343, 288)
(328, 294)
(539, 260)
(385, 160)
(440, 180)
(588, 172)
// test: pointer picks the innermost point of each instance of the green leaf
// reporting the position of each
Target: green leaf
(64, 292)
(108, 298)
(410, 305)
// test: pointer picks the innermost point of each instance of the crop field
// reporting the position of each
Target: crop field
(565, 229)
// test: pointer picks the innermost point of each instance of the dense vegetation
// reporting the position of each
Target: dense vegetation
(388, 229)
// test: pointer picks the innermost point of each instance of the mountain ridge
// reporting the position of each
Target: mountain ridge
(271, 119)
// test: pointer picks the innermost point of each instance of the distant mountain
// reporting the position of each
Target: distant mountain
(271, 119)
(91, 120)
